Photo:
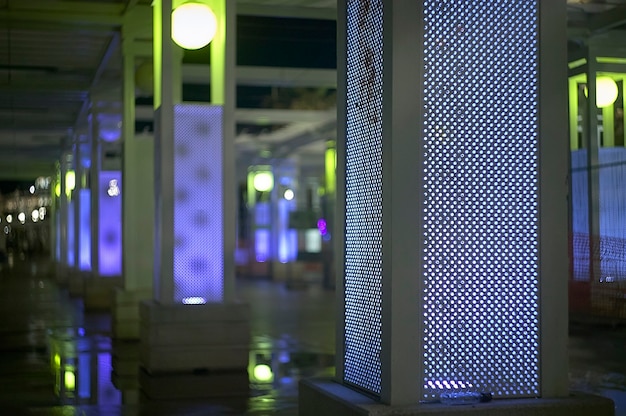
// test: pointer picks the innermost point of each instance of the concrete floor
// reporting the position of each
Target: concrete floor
(292, 330)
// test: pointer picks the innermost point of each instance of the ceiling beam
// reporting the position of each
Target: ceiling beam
(605, 21)
(322, 13)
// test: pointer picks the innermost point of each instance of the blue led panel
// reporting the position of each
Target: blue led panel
(84, 252)
(363, 232)
(198, 210)
(110, 222)
(70, 234)
(480, 219)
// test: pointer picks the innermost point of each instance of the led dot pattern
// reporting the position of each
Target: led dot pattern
(480, 218)
(198, 210)
(363, 232)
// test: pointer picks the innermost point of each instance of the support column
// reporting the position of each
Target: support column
(194, 321)
(138, 198)
(82, 224)
(63, 222)
(452, 211)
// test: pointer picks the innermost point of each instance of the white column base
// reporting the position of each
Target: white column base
(125, 312)
(191, 338)
(327, 397)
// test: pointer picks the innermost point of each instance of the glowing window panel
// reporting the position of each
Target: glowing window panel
(110, 223)
(480, 227)
(84, 253)
(363, 232)
(262, 243)
(70, 234)
(198, 212)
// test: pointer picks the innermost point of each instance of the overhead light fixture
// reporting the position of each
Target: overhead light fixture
(606, 91)
(194, 25)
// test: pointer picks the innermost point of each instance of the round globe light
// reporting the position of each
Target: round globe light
(263, 181)
(193, 25)
(606, 92)
(263, 372)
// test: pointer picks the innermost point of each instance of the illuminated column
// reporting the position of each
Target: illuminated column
(138, 198)
(62, 219)
(94, 173)
(452, 209)
(195, 210)
(81, 211)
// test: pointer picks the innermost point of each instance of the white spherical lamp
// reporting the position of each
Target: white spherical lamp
(606, 92)
(193, 25)
(263, 181)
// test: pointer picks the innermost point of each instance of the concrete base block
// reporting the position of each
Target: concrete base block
(326, 397)
(99, 292)
(195, 385)
(191, 338)
(125, 312)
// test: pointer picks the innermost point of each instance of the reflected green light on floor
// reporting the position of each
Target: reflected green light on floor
(69, 380)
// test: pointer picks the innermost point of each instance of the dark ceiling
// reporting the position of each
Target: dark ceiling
(59, 59)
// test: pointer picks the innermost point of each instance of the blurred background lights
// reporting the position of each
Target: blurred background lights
(31, 189)
(114, 189)
(263, 181)
(263, 372)
(9, 218)
(69, 380)
(288, 195)
(193, 25)
(35, 215)
(21, 217)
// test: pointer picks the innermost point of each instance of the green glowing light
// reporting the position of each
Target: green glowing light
(69, 380)
(263, 181)
(263, 372)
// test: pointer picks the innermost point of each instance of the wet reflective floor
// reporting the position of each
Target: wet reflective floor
(55, 359)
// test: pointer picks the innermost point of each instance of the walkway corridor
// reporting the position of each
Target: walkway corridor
(43, 329)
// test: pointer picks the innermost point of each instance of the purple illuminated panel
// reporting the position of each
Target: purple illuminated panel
(84, 252)
(110, 221)
(71, 244)
(262, 245)
(198, 212)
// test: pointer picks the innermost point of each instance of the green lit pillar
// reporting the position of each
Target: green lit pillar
(194, 303)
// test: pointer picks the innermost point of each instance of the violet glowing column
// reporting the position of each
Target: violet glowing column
(452, 208)
(195, 205)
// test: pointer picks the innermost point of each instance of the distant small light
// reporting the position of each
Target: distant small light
(263, 372)
(114, 189)
(35, 215)
(21, 217)
(32, 189)
(70, 380)
(288, 195)
(194, 300)
(9, 218)
(322, 226)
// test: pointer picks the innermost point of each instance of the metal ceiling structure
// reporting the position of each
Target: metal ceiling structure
(59, 57)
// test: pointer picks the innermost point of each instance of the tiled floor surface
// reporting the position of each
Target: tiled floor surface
(293, 337)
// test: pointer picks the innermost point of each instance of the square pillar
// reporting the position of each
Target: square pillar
(188, 325)
(138, 180)
(452, 209)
